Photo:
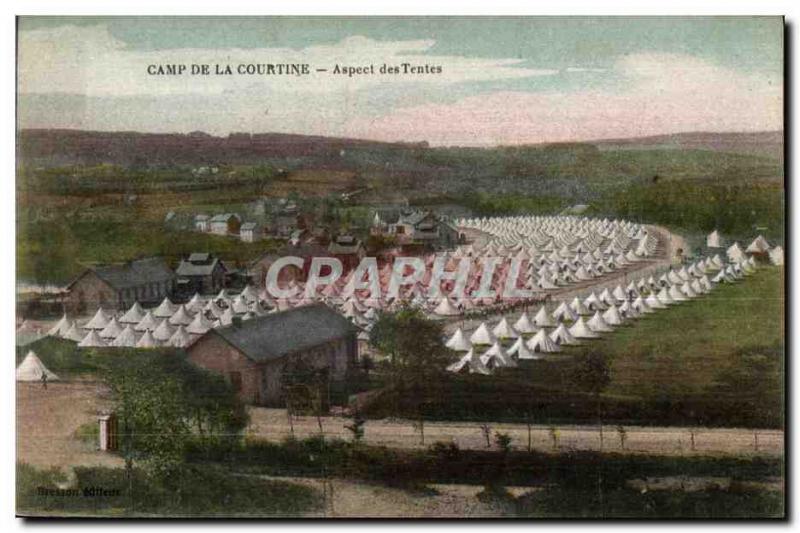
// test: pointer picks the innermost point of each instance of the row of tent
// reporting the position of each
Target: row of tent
(759, 246)
(169, 324)
(583, 319)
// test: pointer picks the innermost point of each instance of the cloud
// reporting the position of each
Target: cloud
(90, 61)
(666, 93)
(84, 77)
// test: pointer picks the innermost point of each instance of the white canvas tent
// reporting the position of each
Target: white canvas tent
(714, 240)
(32, 369)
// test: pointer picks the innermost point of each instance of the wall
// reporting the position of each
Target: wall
(214, 353)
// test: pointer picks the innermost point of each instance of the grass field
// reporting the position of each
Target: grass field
(716, 360)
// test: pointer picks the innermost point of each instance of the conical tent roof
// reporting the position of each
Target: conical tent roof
(61, 327)
(758, 246)
(504, 331)
(734, 252)
(91, 340)
(180, 339)
(164, 331)
(564, 312)
(543, 319)
(147, 341)
(482, 335)
(619, 293)
(653, 302)
(592, 303)
(199, 325)
(196, 303)
(133, 315)
(112, 329)
(32, 369)
(73, 333)
(579, 307)
(664, 297)
(181, 317)
(714, 240)
(612, 316)
(598, 324)
(676, 294)
(147, 322)
(227, 317)
(541, 343)
(524, 324)
(563, 337)
(521, 351)
(165, 309)
(580, 330)
(776, 256)
(459, 342)
(446, 308)
(126, 339)
(98, 321)
(686, 290)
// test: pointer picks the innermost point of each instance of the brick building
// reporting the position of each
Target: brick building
(254, 354)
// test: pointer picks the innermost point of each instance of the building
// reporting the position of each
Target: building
(250, 232)
(200, 272)
(348, 250)
(146, 281)
(201, 223)
(254, 355)
(425, 229)
(225, 224)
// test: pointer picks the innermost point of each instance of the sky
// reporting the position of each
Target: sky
(503, 80)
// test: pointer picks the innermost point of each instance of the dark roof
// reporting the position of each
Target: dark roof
(196, 268)
(278, 334)
(133, 274)
(224, 217)
(413, 218)
(344, 245)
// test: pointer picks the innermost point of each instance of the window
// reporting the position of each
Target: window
(236, 380)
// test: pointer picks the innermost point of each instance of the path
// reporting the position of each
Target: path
(272, 424)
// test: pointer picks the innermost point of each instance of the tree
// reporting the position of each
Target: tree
(162, 402)
(417, 355)
(592, 374)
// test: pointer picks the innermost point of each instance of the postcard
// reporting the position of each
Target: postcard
(400, 267)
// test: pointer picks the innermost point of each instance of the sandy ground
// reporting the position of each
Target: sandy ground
(273, 424)
(344, 498)
(48, 418)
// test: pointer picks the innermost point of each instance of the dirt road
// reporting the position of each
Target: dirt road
(273, 424)
(47, 421)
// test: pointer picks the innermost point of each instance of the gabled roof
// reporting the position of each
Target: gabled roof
(224, 217)
(344, 245)
(249, 226)
(133, 274)
(199, 257)
(413, 218)
(188, 268)
(276, 335)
